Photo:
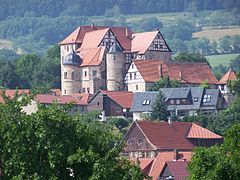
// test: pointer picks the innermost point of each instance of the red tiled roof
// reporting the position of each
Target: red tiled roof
(142, 41)
(93, 56)
(11, 92)
(185, 72)
(176, 135)
(123, 98)
(144, 163)
(228, 76)
(78, 35)
(163, 157)
(165, 136)
(80, 99)
(178, 169)
(159, 163)
(197, 131)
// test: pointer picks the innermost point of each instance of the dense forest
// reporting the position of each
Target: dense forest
(54, 8)
(34, 25)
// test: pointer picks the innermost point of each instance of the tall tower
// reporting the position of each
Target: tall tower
(115, 61)
(70, 74)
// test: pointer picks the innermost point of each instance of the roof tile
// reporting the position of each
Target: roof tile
(185, 72)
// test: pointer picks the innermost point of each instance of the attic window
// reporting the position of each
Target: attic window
(207, 98)
(195, 99)
(146, 102)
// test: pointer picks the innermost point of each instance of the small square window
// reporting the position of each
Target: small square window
(136, 87)
(98, 103)
(178, 101)
(73, 75)
(85, 73)
(130, 75)
(83, 90)
(65, 75)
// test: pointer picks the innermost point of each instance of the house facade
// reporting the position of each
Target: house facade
(142, 74)
(97, 57)
(112, 103)
(181, 101)
(79, 102)
(156, 144)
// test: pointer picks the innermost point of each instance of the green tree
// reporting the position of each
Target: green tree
(165, 82)
(119, 123)
(205, 84)
(51, 144)
(235, 63)
(225, 44)
(25, 67)
(190, 57)
(159, 108)
(218, 162)
(235, 85)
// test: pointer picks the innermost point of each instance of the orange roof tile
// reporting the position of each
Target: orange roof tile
(92, 57)
(159, 163)
(122, 34)
(197, 131)
(93, 39)
(161, 159)
(78, 34)
(123, 98)
(142, 41)
(228, 76)
(185, 72)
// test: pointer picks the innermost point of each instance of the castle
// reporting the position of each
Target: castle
(98, 57)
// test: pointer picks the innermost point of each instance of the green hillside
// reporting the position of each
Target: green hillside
(223, 59)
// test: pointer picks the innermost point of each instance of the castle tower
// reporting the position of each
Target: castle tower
(115, 68)
(70, 74)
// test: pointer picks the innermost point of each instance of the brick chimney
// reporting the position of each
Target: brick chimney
(180, 74)
(126, 32)
(175, 154)
(160, 71)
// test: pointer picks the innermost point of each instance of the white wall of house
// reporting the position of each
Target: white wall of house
(134, 80)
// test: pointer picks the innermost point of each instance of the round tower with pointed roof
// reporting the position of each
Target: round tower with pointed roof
(70, 74)
(115, 68)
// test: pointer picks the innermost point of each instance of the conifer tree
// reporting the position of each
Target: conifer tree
(159, 108)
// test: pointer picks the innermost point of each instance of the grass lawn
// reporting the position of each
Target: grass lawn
(216, 34)
(223, 59)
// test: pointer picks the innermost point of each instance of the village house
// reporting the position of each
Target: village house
(230, 75)
(111, 103)
(181, 101)
(79, 102)
(142, 74)
(154, 144)
(97, 57)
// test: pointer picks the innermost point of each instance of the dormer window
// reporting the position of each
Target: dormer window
(146, 102)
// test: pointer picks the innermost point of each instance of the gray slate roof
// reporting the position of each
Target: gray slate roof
(195, 94)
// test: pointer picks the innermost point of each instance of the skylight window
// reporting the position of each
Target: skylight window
(206, 98)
